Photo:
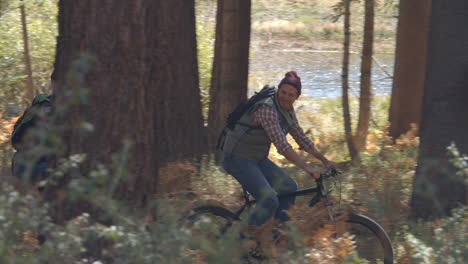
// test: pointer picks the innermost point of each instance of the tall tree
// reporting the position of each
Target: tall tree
(137, 61)
(180, 131)
(437, 188)
(410, 65)
(345, 80)
(366, 74)
(27, 56)
(231, 62)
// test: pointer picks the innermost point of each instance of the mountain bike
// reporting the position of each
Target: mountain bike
(371, 241)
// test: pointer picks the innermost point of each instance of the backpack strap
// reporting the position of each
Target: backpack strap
(249, 126)
(221, 139)
(282, 118)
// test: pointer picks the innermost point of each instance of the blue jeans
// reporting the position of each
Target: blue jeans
(38, 171)
(263, 180)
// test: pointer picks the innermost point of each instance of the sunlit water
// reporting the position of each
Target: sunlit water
(320, 72)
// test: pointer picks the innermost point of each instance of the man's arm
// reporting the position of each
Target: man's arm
(306, 144)
(267, 117)
(327, 163)
(294, 158)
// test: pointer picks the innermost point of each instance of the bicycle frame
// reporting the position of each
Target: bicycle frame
(319, 190)
(372, 230)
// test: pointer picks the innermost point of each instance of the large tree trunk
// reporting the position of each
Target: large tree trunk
(180, 132)
(410, 65)
(134, 63)
(231, 63)
(27, 56)
(437, 188)
(366, 74)
(345, 82)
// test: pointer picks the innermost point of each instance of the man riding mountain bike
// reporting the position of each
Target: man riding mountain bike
(246, 148)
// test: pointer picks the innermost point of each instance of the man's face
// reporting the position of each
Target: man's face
(44, 112)
(287, 95)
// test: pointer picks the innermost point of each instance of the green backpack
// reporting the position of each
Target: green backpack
(29, 117)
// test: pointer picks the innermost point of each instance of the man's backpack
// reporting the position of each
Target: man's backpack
(234, 117)
(29, 116)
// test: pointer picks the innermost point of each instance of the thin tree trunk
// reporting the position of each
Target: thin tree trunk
(365, 97)
(27, 57)
(345, 82)
(231, 63)
(410, 65)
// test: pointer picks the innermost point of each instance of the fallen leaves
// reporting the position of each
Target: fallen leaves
(6, 128)
(311, 230)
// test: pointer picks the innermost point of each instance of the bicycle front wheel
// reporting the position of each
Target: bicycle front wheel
(211, 221)
(371, 241)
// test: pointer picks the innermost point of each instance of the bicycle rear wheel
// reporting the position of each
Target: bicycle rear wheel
(371, 241)
(212, 221)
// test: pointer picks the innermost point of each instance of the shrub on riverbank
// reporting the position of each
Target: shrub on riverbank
(313, 19)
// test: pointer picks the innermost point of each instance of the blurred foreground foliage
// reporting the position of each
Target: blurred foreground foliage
(109, 231)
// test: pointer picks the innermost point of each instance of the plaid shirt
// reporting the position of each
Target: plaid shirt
(267, 117)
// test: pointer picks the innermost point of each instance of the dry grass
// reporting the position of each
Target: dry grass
(279, 26)
(309, 229)
(6, 128)
(303, 21)
(175, 177)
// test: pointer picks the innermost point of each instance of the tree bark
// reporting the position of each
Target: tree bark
(180, 130)
(365, 97)
(437, 188)
(345, 82)
(27, 56)
(410, 65)
(231, 63)
(133, 66)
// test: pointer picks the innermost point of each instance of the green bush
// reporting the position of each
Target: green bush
(42, 31)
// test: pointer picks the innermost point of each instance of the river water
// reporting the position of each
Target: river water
(320, 71)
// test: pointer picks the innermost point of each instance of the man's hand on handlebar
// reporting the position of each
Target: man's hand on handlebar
(315, 173)
(328, 163)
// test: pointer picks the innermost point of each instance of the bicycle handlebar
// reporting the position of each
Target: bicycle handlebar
(329, 172)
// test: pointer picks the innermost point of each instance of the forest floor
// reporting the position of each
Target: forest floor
(380, 186)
